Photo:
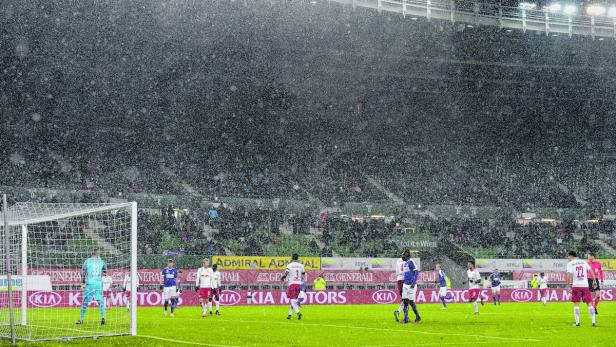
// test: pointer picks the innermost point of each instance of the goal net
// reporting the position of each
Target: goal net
(44, 290)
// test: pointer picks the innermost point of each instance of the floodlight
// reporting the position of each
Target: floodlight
(569, 10)
(595, 10)
(554, 8)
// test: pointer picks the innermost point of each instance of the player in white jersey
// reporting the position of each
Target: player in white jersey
(473, 278)
(400, 283)
(543, 288)
(215, 294)
(127, 287)
(294, 274)
(203, 286)
(107, 283)
(577, 282)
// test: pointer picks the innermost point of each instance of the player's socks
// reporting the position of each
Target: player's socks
(294, 305)
(166, 305)
(290, 310)
(174, 303)
(101, 307)
(414, 307)
(591, 312)
(475, 306)
(576, 314)
(494, 298)
(396, 313)
(444, 302)
(406, 313)
(209, 307)
(401, 307)
(217, 305)
(84, 307)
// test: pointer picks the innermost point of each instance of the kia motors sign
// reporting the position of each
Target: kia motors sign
(521, 295)
(384, 297)
(70, 298)
(44, 299)
(230, 298)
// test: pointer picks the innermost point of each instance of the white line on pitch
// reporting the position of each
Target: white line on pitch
(183, 342)
(442, 344)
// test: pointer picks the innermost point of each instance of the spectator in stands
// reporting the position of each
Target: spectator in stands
(319, 283)
(213, 214)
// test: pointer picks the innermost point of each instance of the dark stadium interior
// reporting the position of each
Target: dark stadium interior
(307, 102)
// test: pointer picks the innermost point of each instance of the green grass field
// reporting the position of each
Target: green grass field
(367, 325)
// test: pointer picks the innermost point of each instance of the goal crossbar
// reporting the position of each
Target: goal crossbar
(16, 214)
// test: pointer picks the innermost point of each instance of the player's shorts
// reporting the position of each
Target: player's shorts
(204, 293)
(580, 293)
(543, 292)
(473, 294)
(215, 293)
(442, 291)
(170, 292)
(92, 292)
(409, 292)
(400, 285)
(496, 289)
(293, 291)
(591, 286)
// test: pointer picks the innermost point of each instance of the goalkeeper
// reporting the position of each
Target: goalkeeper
(92, 272)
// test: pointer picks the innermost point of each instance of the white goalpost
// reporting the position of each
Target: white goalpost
(42, 283)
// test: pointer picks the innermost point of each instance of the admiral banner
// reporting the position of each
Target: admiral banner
(262, 263)
(608, 264)
(117, 299)
(511, 265)
(372, 264)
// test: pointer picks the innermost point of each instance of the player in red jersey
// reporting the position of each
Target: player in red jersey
(577, 282)
(295, 272)
(595, 266)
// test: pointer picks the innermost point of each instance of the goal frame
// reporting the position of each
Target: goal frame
(22, 224)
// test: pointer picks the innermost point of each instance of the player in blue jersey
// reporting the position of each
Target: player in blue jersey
(169, 284)
(92, 272)
(442, 285)
(495, 284)
(409, 289)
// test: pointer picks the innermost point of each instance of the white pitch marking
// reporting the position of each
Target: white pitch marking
(184, 342)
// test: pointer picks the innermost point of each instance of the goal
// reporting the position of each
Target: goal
(43, 250)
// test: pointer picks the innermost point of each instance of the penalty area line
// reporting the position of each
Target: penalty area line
(184, 342)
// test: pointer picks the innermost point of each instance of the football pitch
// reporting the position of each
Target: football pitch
(511, 324)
